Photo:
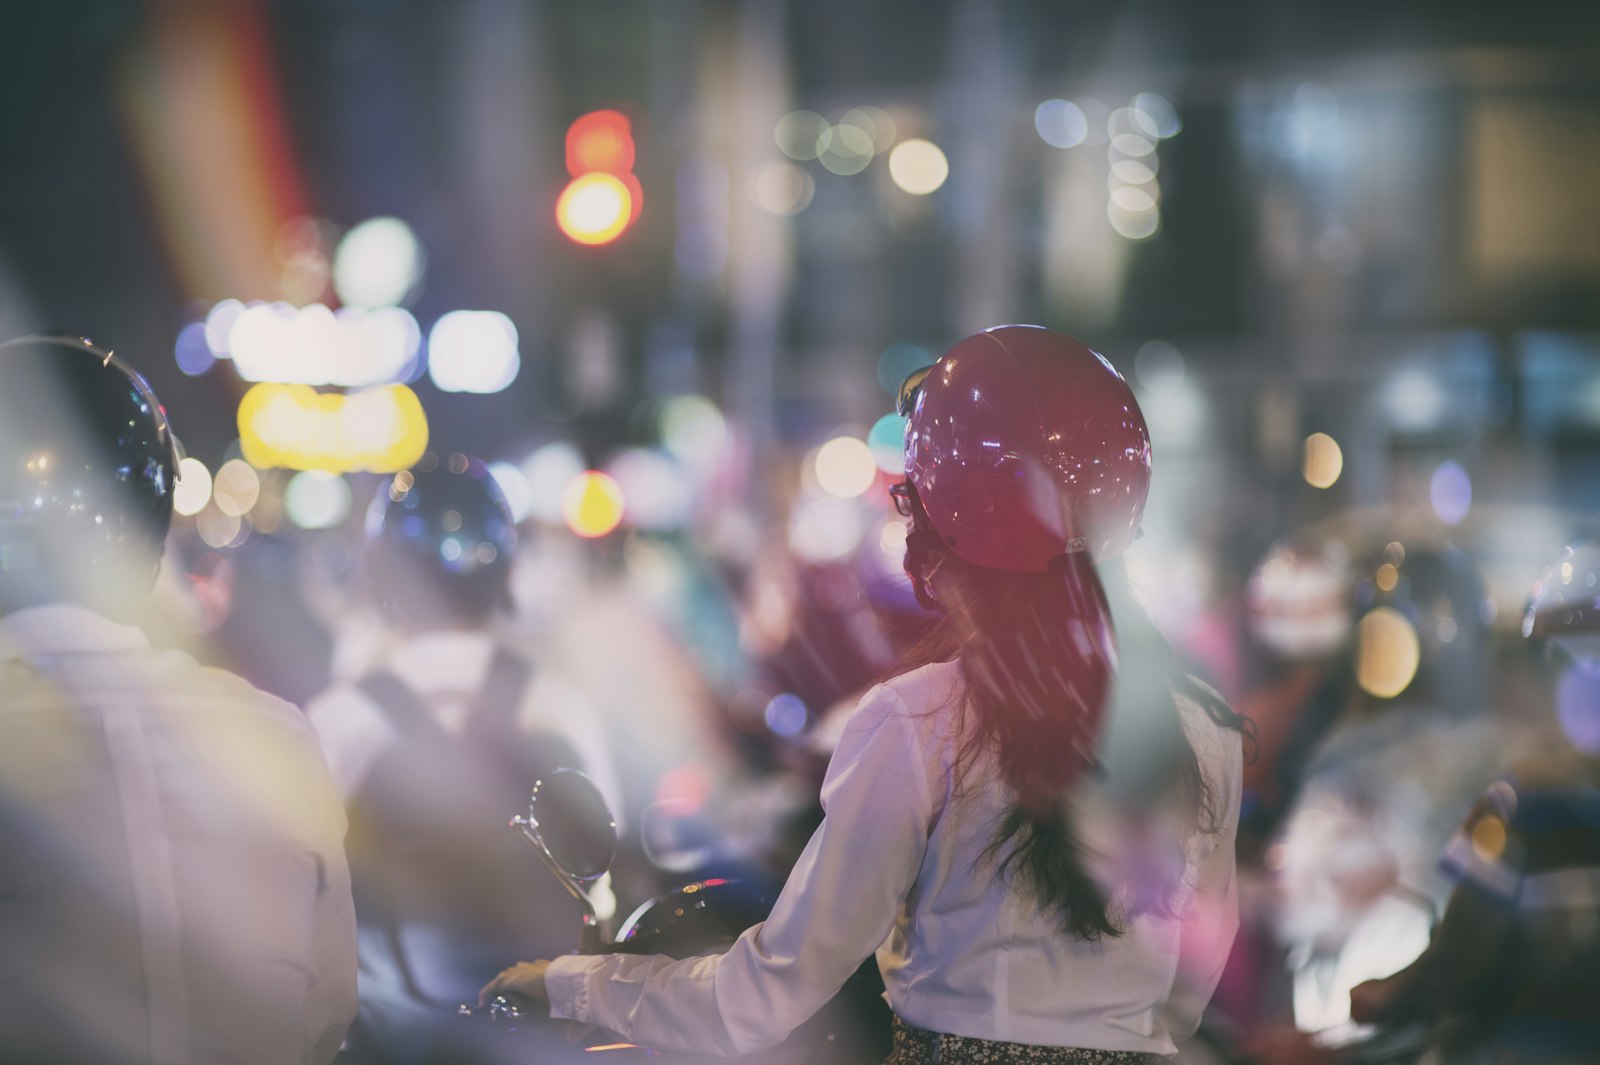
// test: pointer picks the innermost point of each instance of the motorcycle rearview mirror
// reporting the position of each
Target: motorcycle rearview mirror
(570, 827)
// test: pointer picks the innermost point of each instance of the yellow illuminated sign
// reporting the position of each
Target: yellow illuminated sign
(377, 430)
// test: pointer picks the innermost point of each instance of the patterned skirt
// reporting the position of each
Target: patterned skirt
(917, 1046)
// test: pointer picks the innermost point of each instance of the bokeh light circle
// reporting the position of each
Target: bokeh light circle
(823, 529)
(1134, 199)
(473, 351)
(1387, 652)
(693, 429)
(192, 352)
(1159, 366)
(236, 488)
(594, 208)
(1450, 492)
(1324, 461)
(1159, 112)
(600, 141)
(1132, 145)
(1134, 225)
(592, 504)
(660, 497)
(193, 489)
(786, 715)
(887, 439)
(918, 166)
(1578, 705)
(878, 123)
(782, 188)
(378, 263)
(845, 149)
(898, 362)
(845, 467)
(798, 132)
(1061, 123)
(548, 470)
(513, 484)
(314, 499)
(217, 529)
(1134, 171)
(892, 538)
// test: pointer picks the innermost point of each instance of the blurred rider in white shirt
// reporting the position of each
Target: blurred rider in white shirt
(1032, 823)
(434, 747)
(174, 888)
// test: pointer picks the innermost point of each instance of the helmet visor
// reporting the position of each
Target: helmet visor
(910, 389)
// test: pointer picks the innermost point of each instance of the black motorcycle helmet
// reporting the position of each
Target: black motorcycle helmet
(441, 540)
(88, 465)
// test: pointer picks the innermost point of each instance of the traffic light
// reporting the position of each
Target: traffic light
(603, 197)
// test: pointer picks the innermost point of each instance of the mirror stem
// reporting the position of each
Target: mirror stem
(590, 941)
(591, 922)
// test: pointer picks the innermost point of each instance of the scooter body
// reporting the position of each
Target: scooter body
(570, 829)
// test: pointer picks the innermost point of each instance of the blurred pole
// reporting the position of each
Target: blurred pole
(760, 259)
(671, 363)
(505, 188)
(985, 83)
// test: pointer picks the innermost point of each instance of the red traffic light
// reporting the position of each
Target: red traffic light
(600, 141)
(603, 197)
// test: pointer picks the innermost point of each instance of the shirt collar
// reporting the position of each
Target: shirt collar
(446, 660)
(64, 628)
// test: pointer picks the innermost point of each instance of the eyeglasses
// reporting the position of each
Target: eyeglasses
(901, 494)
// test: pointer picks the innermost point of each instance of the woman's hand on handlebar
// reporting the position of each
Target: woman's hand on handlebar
(523, 981)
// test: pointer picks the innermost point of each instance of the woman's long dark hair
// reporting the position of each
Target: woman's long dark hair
(1040, 652)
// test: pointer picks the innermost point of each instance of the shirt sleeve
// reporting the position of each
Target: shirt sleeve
(1211, 919)
(837, 907)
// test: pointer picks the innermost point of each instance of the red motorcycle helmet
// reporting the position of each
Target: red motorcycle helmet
(1024, 444)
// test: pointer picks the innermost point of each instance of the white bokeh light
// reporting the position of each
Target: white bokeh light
(798, 132)
(193, 489)
(845, 149)
(1415, 400)
(918, 166)
(1158, 111)
(548, 471)
(314, 345)
(845, 467)
(1061, 123)
(892, 538)
(473, 351)
(693, 429)
(236, 488)
(825, 530)
(317, 500)
(514, 486)
(782, 188)
(378, 263)
(658, 492)
(219, 325)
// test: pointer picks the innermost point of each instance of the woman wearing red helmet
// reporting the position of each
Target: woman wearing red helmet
(1038, 844)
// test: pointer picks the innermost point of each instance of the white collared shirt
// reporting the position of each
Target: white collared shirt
(174, 881)
(898, 865)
